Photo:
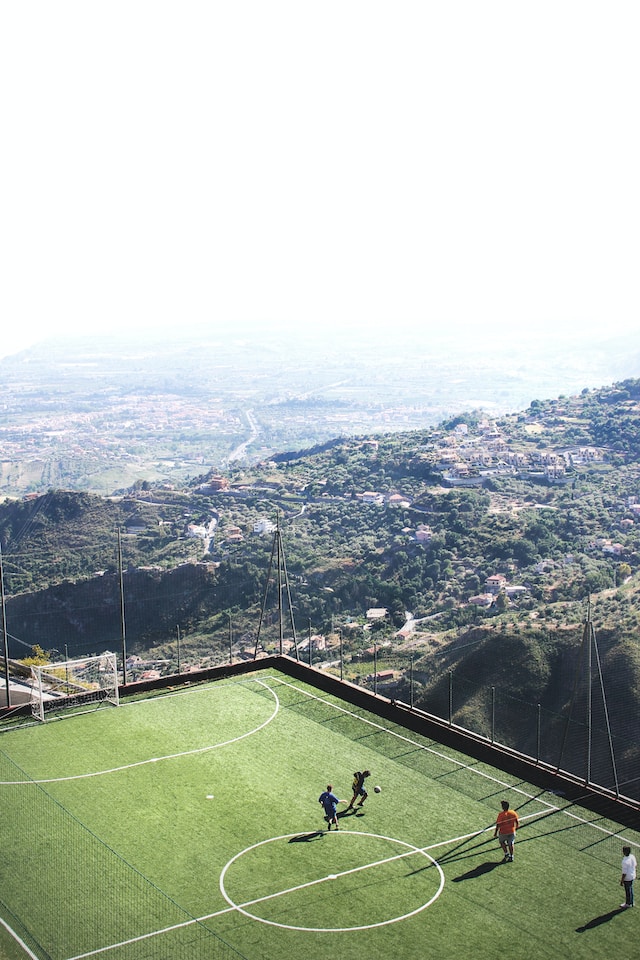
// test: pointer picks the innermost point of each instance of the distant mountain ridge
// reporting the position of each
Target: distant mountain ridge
(100, 413)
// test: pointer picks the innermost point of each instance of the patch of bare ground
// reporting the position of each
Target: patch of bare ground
(424, 642)
(499, 503)
(502, 503)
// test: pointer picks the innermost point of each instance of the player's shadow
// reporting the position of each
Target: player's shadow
(353, 812)
(306, 837)
(598, 921)
(478, 871)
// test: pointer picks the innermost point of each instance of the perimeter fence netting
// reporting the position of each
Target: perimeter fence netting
(79, 896)
(593, 740)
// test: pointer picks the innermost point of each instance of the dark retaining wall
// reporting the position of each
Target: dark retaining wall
(598, 799)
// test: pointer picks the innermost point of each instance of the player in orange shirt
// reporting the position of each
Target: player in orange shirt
(506, 825)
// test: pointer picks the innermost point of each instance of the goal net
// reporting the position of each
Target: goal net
(71, 683)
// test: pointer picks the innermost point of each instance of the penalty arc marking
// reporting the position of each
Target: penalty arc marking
(170, 756)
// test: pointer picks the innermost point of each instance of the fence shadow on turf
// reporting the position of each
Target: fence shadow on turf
(500, 792)
(462, 851)
(571, 828)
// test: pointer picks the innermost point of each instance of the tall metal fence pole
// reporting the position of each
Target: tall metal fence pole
(5, 641)
(450, 697)
(375, 669)
(123, 625)
(411, 682)
(493, 714)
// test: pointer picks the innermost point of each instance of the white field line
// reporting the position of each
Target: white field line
(405, 739)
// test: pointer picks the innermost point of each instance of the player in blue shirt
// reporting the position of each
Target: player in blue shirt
(329, 802)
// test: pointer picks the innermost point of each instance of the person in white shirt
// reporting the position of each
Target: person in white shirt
(629, 868)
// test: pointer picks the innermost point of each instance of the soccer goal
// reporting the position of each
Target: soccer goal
(72, 683)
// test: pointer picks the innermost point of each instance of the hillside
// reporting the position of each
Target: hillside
(482, 539)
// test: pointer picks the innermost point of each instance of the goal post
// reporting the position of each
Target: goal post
(73, 683)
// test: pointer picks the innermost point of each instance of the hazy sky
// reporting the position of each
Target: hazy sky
(468, 164)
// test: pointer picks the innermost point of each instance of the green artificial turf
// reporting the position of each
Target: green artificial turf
(195, 813)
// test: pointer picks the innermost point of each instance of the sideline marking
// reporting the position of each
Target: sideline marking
(170, 756)
(18, 940)
(241, 908)
(551, 807)
(399, 736)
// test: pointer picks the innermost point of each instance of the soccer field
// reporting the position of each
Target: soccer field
(186, 825)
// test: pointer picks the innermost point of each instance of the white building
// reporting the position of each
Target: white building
(263, 526)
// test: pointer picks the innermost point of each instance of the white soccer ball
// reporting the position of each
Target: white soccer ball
(377, 789)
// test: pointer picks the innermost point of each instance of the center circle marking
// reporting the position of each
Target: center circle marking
(367, 926)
